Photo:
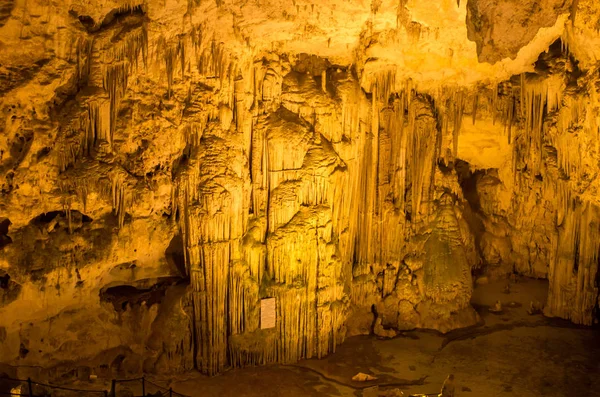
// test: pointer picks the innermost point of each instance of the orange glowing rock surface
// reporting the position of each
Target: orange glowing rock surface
(167, 164)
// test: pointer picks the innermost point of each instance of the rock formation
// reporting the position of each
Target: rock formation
(167, 164)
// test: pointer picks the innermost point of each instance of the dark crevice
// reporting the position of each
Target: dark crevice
(575, 73)
(117, 363)
(444, 168)
(9, 290)
(47, 217)
(311, 64)
(123, 297)
(87, 21)
(20, 146)
(51, 216)
(181, 162)
(576, 257)
(4, 237)
(468, 183)
(15, 76)
(596, 309)
(175, 255)
(6, 8)
(547, 59)
(472, 213)
(4, 281)
(23, 351)
(42, 153)
(110, 19)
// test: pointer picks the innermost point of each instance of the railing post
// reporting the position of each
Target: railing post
(170, 392)
(114, 388)
(143, 386)
(105, 393)
(30, 387)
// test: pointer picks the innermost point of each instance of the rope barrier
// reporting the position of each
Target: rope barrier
(67, 388)
(155, 385)
(17, 380)
(129, 380)
(167, 392)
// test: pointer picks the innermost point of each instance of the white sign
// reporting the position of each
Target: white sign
(267, 313)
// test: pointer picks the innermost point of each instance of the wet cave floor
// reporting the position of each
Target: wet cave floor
(509, 354)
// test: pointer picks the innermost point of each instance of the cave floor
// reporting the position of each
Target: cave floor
(511, 353)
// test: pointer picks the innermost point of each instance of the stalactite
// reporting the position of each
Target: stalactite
(182, 55)
(302, 263)
(522, 92)
(69, 218)
(84, 54)
(538, 98)
(495, 89)
(384, 84)
(508, 114)
(457, 116)
(130, 49)
(213, 217)
(170, 58)
(475, 105)
(399, 149)
(193, 134)
(110, 183)
(118, 199)
(372, 181)
(271, 85)
(351, 111)
(258, 348)
(191, 4)
(413, 30)
(366, 185)
(214, 61)
(98, 123)
(72, 145)
(196, 36)
(169, 53)
(421, 144)
(115, 82)
(98, 128)
(568, 140)
(573, 292)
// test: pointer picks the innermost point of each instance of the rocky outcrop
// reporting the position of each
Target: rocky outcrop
(502, 28)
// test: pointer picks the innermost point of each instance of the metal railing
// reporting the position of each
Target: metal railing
(146, 385)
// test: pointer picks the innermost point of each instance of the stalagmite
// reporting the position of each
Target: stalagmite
(203, 187)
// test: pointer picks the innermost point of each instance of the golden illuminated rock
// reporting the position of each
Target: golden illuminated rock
(165, 165)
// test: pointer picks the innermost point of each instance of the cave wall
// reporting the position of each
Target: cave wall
(166, 165)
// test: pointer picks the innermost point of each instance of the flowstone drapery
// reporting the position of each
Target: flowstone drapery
(165, 166)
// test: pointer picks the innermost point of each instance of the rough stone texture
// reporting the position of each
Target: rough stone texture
(501, 28)
(165, 165)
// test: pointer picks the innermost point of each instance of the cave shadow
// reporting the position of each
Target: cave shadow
(4, 237)
(467, 180)
(175, 255)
